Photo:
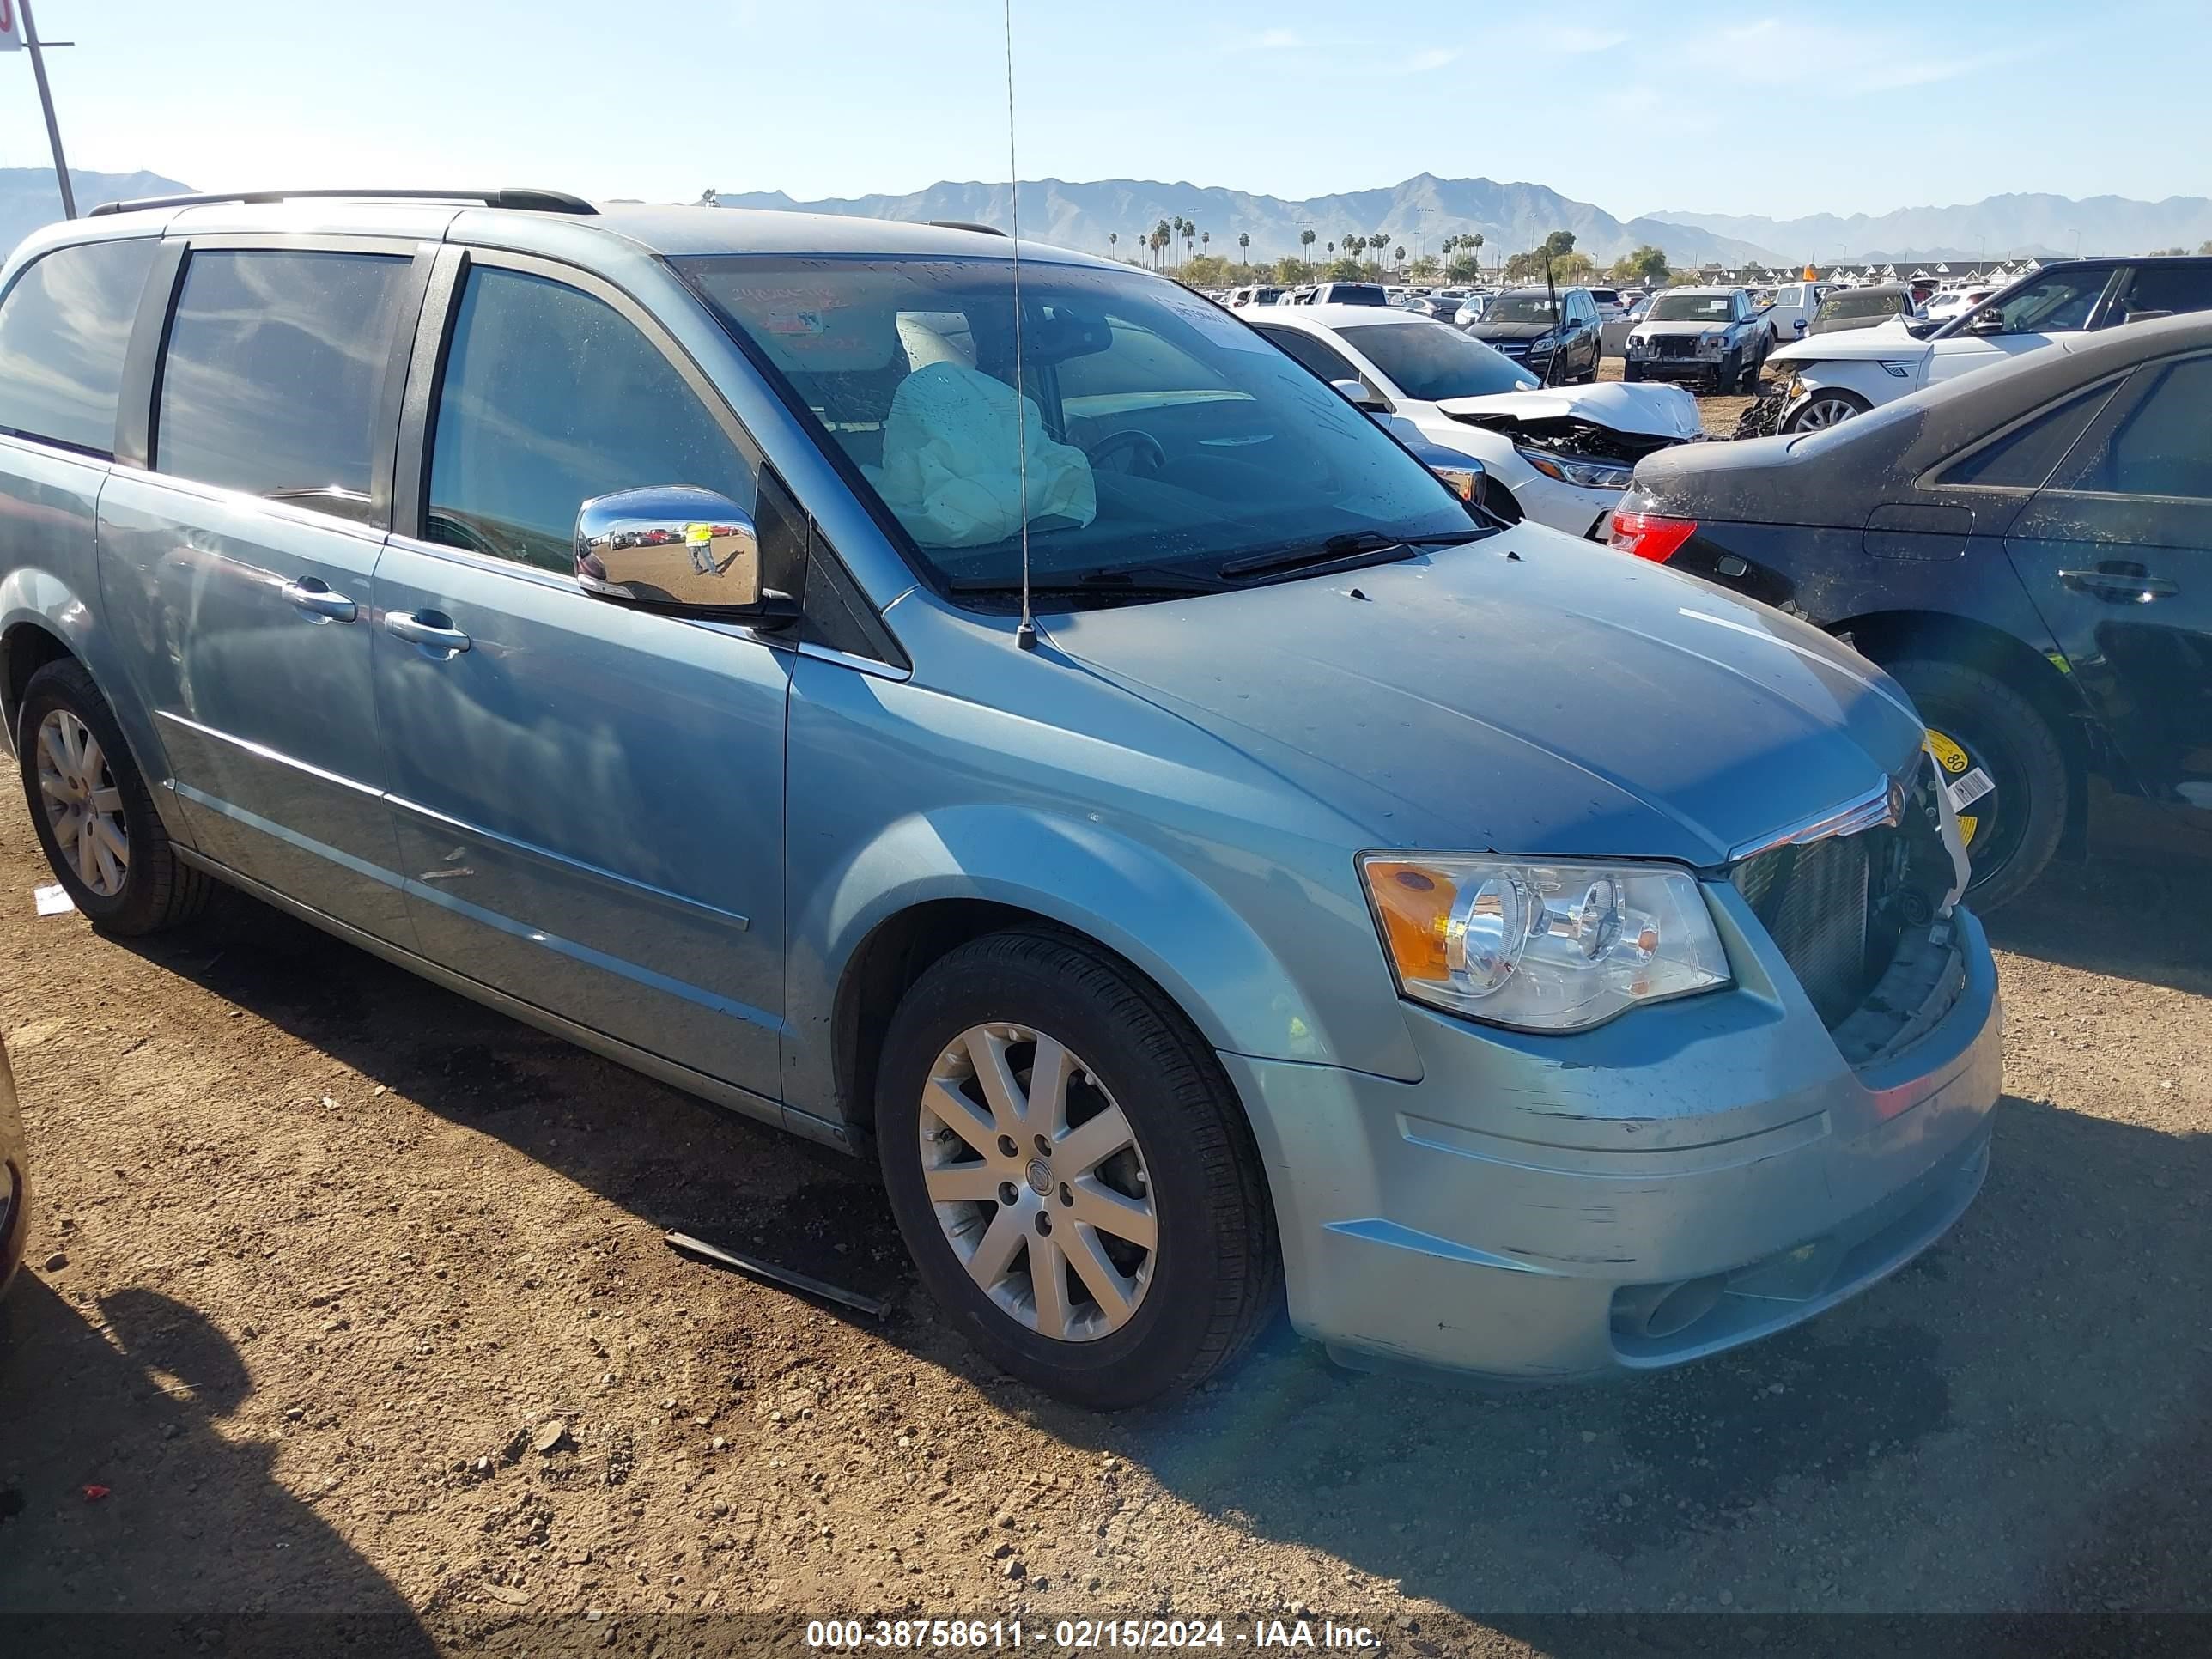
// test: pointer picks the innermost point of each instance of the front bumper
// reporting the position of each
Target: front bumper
(1686, 1179)
(1680, 369)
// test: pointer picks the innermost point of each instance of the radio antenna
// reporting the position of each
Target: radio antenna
(1025, 633)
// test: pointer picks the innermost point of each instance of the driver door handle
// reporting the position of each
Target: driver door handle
(316, 598)
(2123, 583)
(431, 629)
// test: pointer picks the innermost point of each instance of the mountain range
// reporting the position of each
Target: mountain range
(1416, 215)
(1424, 209)
(1996, 227)
(28, 197)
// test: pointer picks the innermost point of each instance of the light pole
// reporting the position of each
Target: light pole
(46, 103)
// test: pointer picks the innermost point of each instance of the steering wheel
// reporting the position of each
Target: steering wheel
(1130, 451)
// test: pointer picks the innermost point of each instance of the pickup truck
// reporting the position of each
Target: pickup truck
(1710, 334)
(1832, 377)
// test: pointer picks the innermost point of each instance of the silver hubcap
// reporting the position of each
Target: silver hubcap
(1038, 1182)
(83, 806)
(1824, 412)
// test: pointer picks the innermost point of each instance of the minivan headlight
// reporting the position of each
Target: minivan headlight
(1541, 947)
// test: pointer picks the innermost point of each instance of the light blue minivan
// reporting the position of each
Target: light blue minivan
(1524, 960)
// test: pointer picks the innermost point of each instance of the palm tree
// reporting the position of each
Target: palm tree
(1244, 245)
(1306, 241)
(1398, 254)
(1475, 242)
(1112, 237)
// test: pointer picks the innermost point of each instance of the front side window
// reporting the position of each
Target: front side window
(63, 329)
(552, 396)
(2163, 445)
(1151, 428)
(271, 378)
(2056, 305)
(1434, 362)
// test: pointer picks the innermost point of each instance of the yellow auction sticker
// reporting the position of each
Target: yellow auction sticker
(1949, 756)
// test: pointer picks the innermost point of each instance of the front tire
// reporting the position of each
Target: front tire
(1993, 745)
(1829, 406)
(1072, 1172)
(89, 805)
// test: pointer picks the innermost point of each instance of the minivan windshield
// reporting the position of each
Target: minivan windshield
(1160, 437)
(1431, 360)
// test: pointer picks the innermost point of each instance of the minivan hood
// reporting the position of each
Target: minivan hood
(1526, 694)
(1658, 412)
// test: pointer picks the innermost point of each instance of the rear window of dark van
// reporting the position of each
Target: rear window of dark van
(63, 328)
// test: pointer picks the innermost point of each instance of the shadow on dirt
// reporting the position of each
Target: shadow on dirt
(2148, 919)
(113, 1478)
(1967, 1436)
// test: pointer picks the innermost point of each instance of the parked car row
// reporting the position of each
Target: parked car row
(1097, 754)
(1559, 455)
(1883, 355)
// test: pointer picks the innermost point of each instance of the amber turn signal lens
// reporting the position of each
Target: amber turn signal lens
(1416, 906)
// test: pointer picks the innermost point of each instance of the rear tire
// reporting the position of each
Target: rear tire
(1173, 1311)
(2013, 830)
(89, 806)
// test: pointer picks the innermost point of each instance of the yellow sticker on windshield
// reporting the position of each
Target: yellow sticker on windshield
(1949, 756)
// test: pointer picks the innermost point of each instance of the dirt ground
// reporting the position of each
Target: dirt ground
(348, 1302)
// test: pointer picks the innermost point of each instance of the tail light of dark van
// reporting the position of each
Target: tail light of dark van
(1649, 535)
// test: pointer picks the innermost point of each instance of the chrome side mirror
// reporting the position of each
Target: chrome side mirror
(1361, 396)
(671, 547)
(1987, 322)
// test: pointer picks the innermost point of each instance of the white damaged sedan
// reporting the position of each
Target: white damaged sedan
(1564, 453)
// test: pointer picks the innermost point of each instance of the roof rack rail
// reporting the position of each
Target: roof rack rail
(536, 201)
(963, 224)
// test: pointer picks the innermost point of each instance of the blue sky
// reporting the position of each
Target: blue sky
(1744, 108)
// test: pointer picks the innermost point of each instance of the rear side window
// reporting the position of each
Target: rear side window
(1313, 354)
(2162, 447)
(63, 329)
(274, 364)
(2177, 289)
(551, 397)
(2024, 456)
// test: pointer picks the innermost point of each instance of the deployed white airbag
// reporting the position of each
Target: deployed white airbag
(952, 470)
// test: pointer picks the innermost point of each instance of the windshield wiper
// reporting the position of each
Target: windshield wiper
(1355, 546)
(1144, 581)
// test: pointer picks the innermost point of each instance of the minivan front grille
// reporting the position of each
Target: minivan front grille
(1815, 900)
(1837, 908)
